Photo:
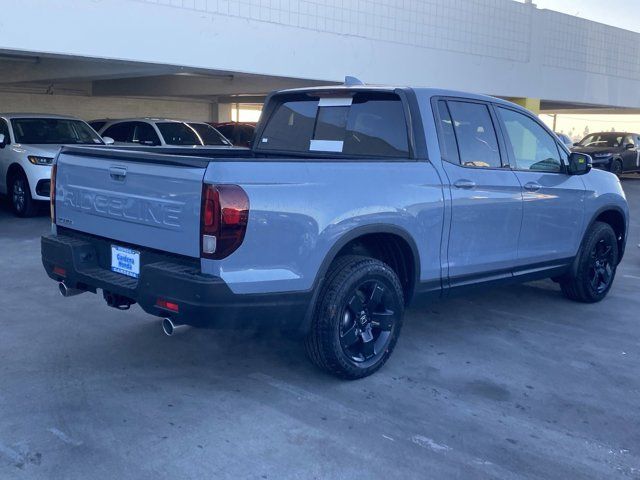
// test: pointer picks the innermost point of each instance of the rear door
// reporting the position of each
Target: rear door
(133, 198)
(486, 198)
(122, 132)
(145, 134)
(631, 153)
(553, 200)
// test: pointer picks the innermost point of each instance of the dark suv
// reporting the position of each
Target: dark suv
(617, 152)
(240, 134)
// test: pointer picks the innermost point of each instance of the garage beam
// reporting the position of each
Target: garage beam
(195, 85)
(19, 70)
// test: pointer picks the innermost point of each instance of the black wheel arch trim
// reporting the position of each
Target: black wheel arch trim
(594, 219)
(342, 242)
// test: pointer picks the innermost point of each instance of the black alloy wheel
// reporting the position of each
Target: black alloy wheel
(601, 267)
(367, 322)
(20, 194)
(357, 317)
(595, 267)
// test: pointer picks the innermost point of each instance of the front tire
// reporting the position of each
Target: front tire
(357, 318)
(20, 195)
(597, 264)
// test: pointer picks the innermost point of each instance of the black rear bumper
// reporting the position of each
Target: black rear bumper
(83, 262)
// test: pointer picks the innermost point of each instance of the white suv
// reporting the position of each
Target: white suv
(28, 144)
(153, 132)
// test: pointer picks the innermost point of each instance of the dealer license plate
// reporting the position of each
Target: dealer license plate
(125, 261)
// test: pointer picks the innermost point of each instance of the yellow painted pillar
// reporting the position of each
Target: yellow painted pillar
(532, 104)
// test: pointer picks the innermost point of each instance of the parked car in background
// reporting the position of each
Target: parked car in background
(565, 139)
(617, 152)
(240, 134)
(352, 202)
(154, 132)
(28, 144)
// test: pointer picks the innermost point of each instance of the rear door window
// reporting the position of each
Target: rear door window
(448, 146)
(366, 124)
(476, 135)
(178, 134)
(144, 134)
(121, 132)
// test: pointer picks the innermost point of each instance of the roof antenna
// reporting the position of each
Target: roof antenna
(350, 81)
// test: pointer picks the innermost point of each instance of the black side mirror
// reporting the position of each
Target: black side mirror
(629, 146)
(3, 140)
(576, 144)
(579, 164)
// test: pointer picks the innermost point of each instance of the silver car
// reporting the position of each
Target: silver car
(28, 144)
(154, 132)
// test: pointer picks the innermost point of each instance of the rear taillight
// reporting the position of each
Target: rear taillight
(52, 192)
(224, 217)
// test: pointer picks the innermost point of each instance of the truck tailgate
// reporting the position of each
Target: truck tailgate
(137, 198)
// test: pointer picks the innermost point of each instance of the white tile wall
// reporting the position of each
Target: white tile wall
(494, 28)
(491, 28)
(579, 44)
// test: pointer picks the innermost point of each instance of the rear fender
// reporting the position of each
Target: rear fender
(343, 241)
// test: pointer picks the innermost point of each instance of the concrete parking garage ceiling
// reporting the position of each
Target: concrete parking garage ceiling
(35, 73)
(95, 77)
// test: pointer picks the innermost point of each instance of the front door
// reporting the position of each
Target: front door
(630, 154)
(553, 200)
(486, 198)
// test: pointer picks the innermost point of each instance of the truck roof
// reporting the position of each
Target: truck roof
(424, 92)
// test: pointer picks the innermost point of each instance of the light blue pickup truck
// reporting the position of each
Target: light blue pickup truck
(353, 202)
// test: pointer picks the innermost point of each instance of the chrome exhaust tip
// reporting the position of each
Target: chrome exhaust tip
(169, 327)
(66, 291)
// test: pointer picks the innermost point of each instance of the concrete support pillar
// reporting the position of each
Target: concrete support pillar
(532, 104)
(224, 112)
(213, 111)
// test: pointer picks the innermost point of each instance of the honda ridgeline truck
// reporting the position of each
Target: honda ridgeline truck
(352, 202)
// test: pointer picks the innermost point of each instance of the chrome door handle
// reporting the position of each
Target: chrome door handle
(532, 186)
(466, 184)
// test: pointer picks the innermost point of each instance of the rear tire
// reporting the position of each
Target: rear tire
(597, 264)
(616, 167)
(20, 196)
(357, 318)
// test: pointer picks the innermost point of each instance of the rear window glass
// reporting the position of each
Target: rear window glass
(367, 124)
(178, 133)
(209, 135)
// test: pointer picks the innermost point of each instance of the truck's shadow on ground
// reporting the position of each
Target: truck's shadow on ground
(134, 339)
